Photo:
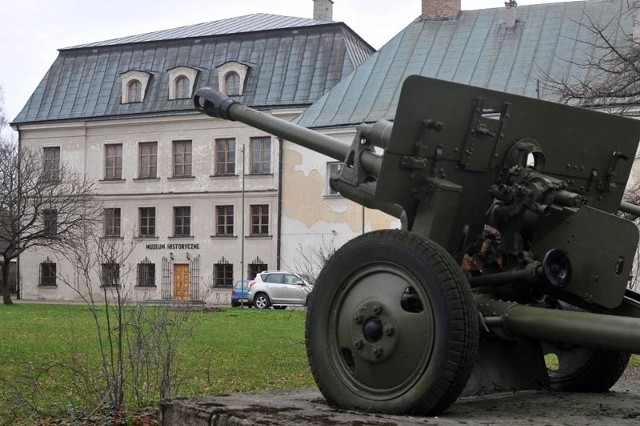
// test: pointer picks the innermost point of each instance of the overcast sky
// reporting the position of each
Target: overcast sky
(31, 31)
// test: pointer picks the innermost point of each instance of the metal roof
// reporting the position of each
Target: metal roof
(475, 49)
(292, 62)
(241, 24)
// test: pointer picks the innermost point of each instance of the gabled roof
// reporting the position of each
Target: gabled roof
(475, 49)
(292, 62)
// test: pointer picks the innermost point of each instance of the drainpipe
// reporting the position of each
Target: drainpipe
(279, 225)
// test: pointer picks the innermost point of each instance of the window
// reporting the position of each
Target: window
(148, 161)
(50, 220)
(147, 221)
(181, 82)
(225, 157)
(134, 91)
(51, 156)
(224, 220)
(110, 275)
(134, 86)
(256, 267)
(181, 158)
(146, 274)
(181, 221)
(223, 273)
(111, 222)
(113, 161)
(182, 87)
(260, 219)
(48, 274)
(231, 78)
(232, 84)
(260, 155)
(333, 169)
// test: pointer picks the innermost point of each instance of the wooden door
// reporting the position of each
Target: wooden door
(181, 281)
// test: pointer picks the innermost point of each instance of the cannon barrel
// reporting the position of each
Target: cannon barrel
(218, 105)
(609, 332)
(627, 207)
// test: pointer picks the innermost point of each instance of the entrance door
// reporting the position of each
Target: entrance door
(181, 281)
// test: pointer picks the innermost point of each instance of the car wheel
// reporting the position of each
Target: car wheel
(261, 301)
(391, 326)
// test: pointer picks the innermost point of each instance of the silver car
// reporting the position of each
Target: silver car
(278, 289)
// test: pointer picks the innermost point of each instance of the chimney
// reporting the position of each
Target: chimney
(440, 10)
(323, 10)
(511, 6)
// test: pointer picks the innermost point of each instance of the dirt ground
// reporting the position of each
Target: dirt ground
(619, 407)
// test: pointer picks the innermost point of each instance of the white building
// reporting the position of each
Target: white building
(200, 199)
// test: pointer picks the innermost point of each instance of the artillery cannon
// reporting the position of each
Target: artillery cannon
(510, 249)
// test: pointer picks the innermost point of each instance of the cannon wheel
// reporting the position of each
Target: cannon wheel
(582, 369)
(391, 326)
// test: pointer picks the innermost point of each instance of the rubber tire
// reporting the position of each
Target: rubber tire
(257, 301)
(600, 372)
(455, 322)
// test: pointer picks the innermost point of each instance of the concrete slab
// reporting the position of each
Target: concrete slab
(304, 407)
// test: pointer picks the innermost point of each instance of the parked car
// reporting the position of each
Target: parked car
(278, 289)
(240, 293)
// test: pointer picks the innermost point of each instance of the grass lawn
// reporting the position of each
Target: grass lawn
(229, 351)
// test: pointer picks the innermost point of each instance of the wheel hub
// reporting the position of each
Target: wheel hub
(373, 332)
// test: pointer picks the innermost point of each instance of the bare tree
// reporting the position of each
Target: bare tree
(43, 203)
(608, 76)
(310, 260)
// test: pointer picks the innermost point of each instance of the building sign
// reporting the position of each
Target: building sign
(173, 246)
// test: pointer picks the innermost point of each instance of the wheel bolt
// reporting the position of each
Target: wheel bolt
(377, 352)
(377, 309)
(389, 330)
(357, 318)
(358, 344)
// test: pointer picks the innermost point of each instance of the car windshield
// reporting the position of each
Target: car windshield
(239, 284)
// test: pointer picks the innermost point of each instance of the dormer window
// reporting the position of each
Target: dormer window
(134, 91)
(182, 87)
(134, 86)
(181, 82)
(232, 84)
(231, 78)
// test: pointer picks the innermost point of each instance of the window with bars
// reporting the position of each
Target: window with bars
(260, 155)
(181, 221)
(260, 219)
(182, 88)
(224, 220)
(113, 161)
(48, 273)
(146, 274)
(225, 157)
(50, 222)
(181, 158)
(147, 216)
(110, 275)
(111, 218)
(223, 273)
(51, 156)
(148, 160)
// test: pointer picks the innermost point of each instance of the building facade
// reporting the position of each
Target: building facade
(195, 203)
